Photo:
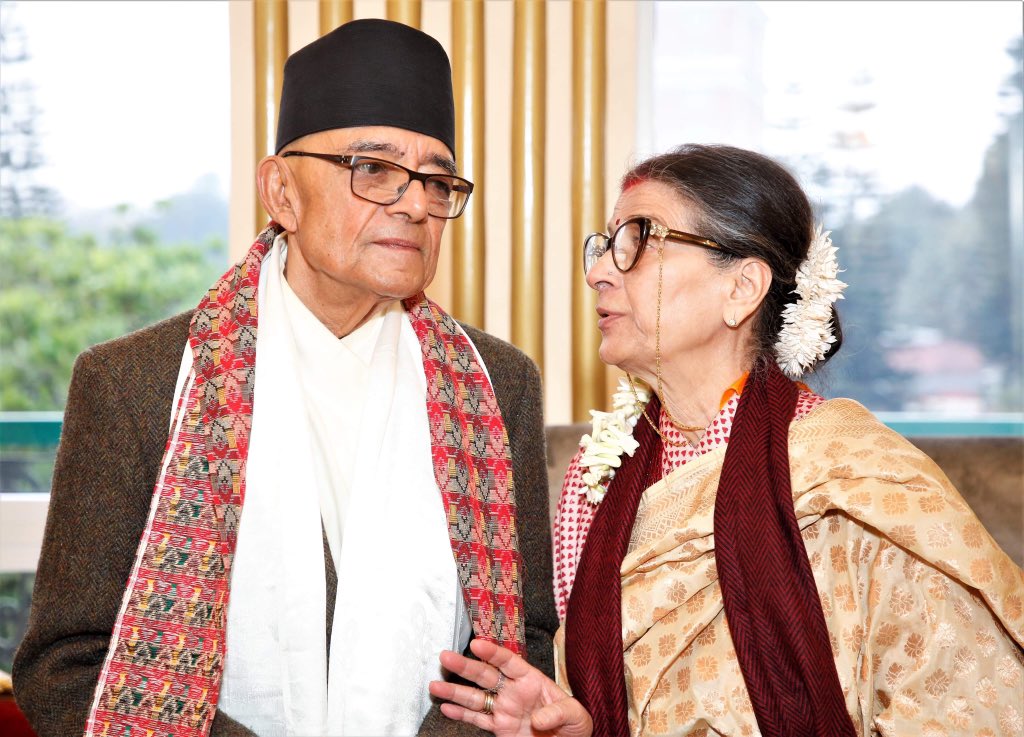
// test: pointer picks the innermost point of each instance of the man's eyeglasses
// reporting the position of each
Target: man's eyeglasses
(384, 182)
(629, 240)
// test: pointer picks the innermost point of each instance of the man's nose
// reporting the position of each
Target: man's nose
(412, 201)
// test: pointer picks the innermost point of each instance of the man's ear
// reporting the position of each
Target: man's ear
(751, 280)
(277, 192)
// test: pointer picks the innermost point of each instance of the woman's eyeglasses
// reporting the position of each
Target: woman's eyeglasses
(629, 240)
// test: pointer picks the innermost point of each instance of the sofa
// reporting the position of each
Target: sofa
(988, 472)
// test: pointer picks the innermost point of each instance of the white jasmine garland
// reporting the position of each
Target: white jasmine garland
(807, 333)
(610, 437)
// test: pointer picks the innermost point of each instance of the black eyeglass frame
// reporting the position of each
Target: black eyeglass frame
(647, 228)
(349, 161)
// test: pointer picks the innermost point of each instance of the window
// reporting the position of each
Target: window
(114, 161)
(903, 122)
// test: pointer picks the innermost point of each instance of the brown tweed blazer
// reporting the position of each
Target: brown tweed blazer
(114, 433)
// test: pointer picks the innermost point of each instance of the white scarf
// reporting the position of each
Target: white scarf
(399, 601)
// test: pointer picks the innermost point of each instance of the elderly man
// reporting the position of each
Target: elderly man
(317, 480)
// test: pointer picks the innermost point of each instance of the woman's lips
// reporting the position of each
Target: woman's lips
(605, 318)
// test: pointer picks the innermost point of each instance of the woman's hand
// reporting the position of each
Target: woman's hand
(524, 701)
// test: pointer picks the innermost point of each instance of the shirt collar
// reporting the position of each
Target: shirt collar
(736, 388)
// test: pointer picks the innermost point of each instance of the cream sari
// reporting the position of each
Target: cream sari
(924, 610)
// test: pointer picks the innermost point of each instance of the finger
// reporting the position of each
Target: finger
(501, 658)
(441, 689)
(568, 717)
(445, 690)
(455, 662)
(476, 671)
(459, 713)
(467, 696)
(549, 717)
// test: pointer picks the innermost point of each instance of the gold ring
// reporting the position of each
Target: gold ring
(488, 703)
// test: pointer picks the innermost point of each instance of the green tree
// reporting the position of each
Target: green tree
(990, 266)
(963, 275)
(61, 293)
(918, 262)
(875, 253)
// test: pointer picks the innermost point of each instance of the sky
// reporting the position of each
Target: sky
(935, 71)
(927, 76)
(135, 96)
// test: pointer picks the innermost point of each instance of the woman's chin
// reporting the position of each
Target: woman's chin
(610, 356)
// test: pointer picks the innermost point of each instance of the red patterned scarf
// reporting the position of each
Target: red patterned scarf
(163, 670)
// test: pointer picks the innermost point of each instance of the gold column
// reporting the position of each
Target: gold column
(405, 11)
(468, 254)
(528, 118)
(333, 13)
(588, 211)
(270, 30)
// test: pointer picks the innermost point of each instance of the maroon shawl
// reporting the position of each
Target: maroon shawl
(771, 602)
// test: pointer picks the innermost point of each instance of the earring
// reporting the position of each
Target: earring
(732, 321)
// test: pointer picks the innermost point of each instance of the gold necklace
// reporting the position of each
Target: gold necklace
(664, 438)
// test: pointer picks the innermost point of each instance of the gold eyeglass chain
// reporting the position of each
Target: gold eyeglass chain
(657, 365)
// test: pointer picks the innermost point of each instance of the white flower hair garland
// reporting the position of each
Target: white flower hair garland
(610, 437)
(806, 332)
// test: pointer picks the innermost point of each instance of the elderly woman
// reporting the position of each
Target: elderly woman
(733, 553)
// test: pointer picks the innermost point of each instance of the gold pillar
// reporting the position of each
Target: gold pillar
(270, 30)
(334, 13)
(468, 253)
(588, 210)
(528, 119)
(405, 11)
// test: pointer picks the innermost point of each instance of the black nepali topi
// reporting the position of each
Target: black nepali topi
(368, 72)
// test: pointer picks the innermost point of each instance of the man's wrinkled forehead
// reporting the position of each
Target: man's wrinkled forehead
(392, 144)
(397, 153)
